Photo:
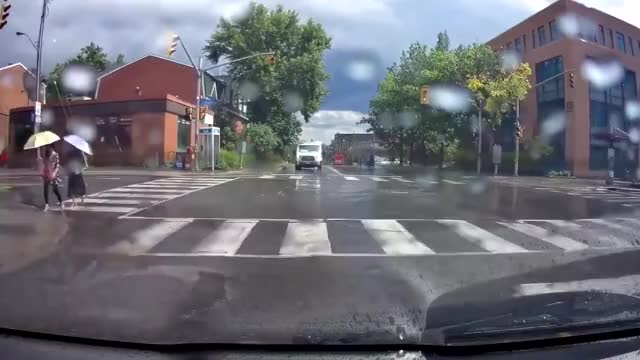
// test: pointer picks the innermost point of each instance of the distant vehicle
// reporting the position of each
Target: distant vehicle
(309, 155)
(338, 159)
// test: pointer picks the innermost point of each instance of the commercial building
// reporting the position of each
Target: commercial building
(17, 86)
(544, 41)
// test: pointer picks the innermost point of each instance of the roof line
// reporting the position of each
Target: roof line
(17, 64)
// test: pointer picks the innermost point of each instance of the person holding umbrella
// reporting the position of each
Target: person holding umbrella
(77, 163)
(51, 175)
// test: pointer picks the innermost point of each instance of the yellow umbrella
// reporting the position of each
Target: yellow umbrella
(41, 139)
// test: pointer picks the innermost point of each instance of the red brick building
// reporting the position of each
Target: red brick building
(588, 111)
(16, 89)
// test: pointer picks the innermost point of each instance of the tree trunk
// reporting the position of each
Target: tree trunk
(411, 146)
(441, 166)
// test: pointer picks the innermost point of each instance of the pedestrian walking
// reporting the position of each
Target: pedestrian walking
(51, 175)
(77, 163)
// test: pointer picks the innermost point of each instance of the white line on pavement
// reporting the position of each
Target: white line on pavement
(453, 182)
(537, 232)
(306, 238)
(132, 195)
(610, 240)
(226, 239)
(113, 209)
(482, 237)
(146, 239)
(351, 178)
(402, 180)
(333, 169)
(163, 186)
(611, 224)
(114, 201)
(267, 177)
(136, 190)
(295, 177)
(394, 238)
(379, 179)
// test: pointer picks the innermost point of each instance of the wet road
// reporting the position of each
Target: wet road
(271, 256)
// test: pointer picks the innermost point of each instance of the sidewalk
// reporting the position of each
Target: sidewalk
(563, 182)
(133, 171)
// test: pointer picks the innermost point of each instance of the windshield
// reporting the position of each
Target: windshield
(308, 148)
(281, 172)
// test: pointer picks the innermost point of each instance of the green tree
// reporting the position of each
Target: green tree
(91, 55)
(295, 83)
(263, 139)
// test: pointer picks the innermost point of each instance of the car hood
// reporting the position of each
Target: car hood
(308, 300)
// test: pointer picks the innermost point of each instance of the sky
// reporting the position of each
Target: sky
(368, 35)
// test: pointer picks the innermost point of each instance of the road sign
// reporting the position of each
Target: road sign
(207, 101)
(243, 149)
(497, 154)
(38, 108)
(205, 131)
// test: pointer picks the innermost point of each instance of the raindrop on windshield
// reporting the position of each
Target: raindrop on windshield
(510, 60)
(634, 135)
(78, 79)
(553, 124)
(386, 119)
(478, 186)
(361, 69)
(82, 129)
(47, 117)
(632, 110)
(293, 102)
(450, 98)
(573, 26)
(235, 11)
(249, 90)
(602, 73)
(155, 137)
(408, 119)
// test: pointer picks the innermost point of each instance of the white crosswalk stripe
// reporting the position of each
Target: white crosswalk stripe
(453, 182)
(379, 237)
(379, 179)
(267, 177)
(295, 177)
(402, 180)
(145, 194)
(351, 178)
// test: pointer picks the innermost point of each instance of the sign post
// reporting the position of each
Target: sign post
(243, 150)
(38, 112)
(497, 158)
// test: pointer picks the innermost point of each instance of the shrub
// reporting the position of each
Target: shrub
(229, 160)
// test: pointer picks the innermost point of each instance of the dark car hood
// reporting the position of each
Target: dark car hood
(310, 300)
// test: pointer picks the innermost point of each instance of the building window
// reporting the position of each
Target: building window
(601, 39)
(518, 45)
(550, 99)
(553, 30)
(184, 134)
(524, 43)
(542, 36)
(633, 51)
(533, 38)
(553, 89)
(621, 42)
(611, 39)
(509, 45)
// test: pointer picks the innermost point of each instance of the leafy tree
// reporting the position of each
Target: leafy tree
(91, 55)
(263, 138)
(295, 83)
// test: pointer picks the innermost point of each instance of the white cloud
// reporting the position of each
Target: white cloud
(325, 124)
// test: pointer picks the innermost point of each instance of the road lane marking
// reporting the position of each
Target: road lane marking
(351, 178)
(306, 238)
(267, 177)
(611, 224)
(537, 232)
(453, 182)
(132, 195)
(136, 190)
(186, 182)
(113, 202)
(333, 169)
(482, 237)
(147, 238)
(163, 186)
(571, 226)
(108, 178)
(379, 179)
(394, 238)
(112, 209)
(402, 180)
(226, 239)
(295, 177)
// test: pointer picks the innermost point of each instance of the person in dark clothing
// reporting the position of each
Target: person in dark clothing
(51, 175)
(77, 163)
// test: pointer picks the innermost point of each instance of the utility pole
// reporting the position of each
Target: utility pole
(479, 165)
(516, 138)
(36, 127)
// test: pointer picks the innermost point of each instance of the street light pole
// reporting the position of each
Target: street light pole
(516, 161)
(36, 127)
(35, 47)
(479, 164)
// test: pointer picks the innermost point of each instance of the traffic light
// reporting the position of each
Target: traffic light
(4, 13)
(203, 112)
(173, 46)
(572, 80)
(188, 114)
(424, 95)
(519, 130)
(271, 60)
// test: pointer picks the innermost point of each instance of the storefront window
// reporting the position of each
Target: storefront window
(184, 134)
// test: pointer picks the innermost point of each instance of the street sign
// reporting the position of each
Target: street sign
(38, 108)
(207, 101)
(497, 154)
(205, 131)
(243, 149)
(216, 130)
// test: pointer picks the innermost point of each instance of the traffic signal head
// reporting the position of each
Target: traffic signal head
(173, 46)
(424, 95)
(519, 131)
(4, 13)
(188, 113)
(271, 59)
(572, 80)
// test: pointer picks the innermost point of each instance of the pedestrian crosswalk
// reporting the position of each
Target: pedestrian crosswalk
(627, 199)
(129, 198)
(346, 237)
